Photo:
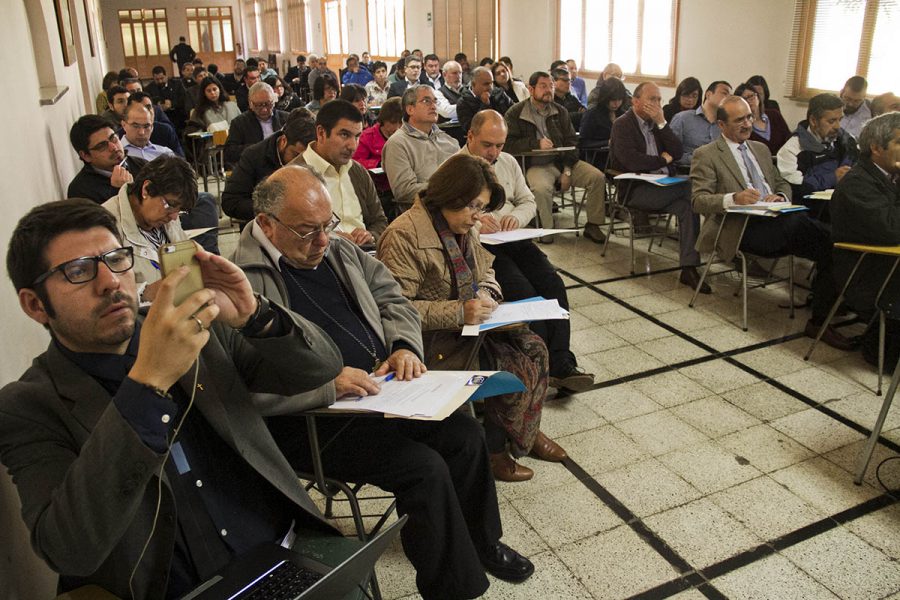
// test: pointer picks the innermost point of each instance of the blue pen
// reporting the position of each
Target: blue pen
(389, 377)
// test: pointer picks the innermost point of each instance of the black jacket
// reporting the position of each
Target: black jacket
(245, 130)
(398, 87)
(94, 186)
(865, 209)
(423, 79)
(469, 105)
(256, 163)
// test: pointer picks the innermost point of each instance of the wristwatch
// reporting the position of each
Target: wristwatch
(661, 125)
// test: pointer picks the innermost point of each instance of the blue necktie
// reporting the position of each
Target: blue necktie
(756, 179)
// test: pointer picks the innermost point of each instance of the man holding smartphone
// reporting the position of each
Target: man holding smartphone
(142, 463)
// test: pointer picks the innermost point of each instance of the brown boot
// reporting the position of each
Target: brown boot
(506, 469)
(546, 449)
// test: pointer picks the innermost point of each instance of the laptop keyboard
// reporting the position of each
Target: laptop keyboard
(284, 582)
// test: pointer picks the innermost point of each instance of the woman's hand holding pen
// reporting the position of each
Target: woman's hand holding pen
(478, 309)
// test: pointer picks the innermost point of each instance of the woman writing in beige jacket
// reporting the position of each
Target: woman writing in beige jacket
(433, 252)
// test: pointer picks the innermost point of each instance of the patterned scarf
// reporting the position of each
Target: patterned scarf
(460, 256)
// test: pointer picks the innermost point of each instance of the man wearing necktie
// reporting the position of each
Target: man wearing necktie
(733, 171)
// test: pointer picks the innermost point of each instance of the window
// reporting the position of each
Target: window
(271, 26)
(299, 25)
(210, 29)
(387, 28)
(638, 35)
(144, 32)
(468, 26)
(834, 39)
(251, 36)
(336, 34)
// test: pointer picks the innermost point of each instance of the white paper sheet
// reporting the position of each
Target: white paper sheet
(505, 237)
(517, 312)
(421, 397)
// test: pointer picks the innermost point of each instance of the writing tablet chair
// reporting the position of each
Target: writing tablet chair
(864, 250)
(619, 210)
(332, 489)
(743, 286)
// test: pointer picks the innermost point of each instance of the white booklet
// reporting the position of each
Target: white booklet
(531, 309)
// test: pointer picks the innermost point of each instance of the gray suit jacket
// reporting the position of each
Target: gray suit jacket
(714, 173)
(88, 483)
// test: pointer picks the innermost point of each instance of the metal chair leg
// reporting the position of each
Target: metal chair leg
(881, 333)
(866, 455)
(791, 285)
(834, 307)
(744, 282)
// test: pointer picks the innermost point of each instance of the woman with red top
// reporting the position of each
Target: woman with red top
(372, 140)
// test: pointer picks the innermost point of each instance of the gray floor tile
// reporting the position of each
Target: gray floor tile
(648, 487)
(660, 432)
(766, 448)
(672, 349)
(846, 565)
(766, 508)
(764, 401)
(880, 529)
(601, 450)
(824, 485)
(565, 514)
(819, 385)
(714, 416)
(702, 533)
(616, 564)
(709, 467)
(671, 388)
(816, 430)
(719, 376)
(565, 416)
(618, 402)
(772, 578)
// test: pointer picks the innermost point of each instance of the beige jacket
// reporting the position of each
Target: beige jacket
(411, 249)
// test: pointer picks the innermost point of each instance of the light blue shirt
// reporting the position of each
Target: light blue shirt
(148, 152)
(692, 128)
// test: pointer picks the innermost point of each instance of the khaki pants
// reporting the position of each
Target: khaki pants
(542, 179)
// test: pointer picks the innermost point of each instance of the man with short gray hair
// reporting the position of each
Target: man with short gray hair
(418, 148)
(260, 121)
(865, 209)
(450, 92)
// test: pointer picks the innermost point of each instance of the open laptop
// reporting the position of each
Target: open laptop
(271, 572)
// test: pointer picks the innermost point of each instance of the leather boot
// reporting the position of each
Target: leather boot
(505, 468)
(546, 449)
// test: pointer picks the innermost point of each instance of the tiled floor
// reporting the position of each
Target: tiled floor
(707, 461)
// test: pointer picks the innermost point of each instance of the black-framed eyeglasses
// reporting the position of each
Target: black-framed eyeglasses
(112, 139)
(84, 269)
(310, 236)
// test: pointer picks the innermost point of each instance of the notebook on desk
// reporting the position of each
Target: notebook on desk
(271, 572)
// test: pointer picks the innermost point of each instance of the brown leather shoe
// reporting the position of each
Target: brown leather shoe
(546, 449)
(690, 277)
(505, 468)
(830, 336)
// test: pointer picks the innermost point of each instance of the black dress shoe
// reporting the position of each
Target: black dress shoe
(830, 336)
(690, 277)
(504, 563)
(594, 232)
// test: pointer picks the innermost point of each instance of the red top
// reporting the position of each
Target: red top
(368, 154)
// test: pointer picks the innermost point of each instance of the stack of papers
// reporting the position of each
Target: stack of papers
(822, 195)
(766, 209)
(530, 309)
(654, 178)
(516, 235)
(433, 396)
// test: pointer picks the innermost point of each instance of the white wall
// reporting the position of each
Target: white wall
(37, 165)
